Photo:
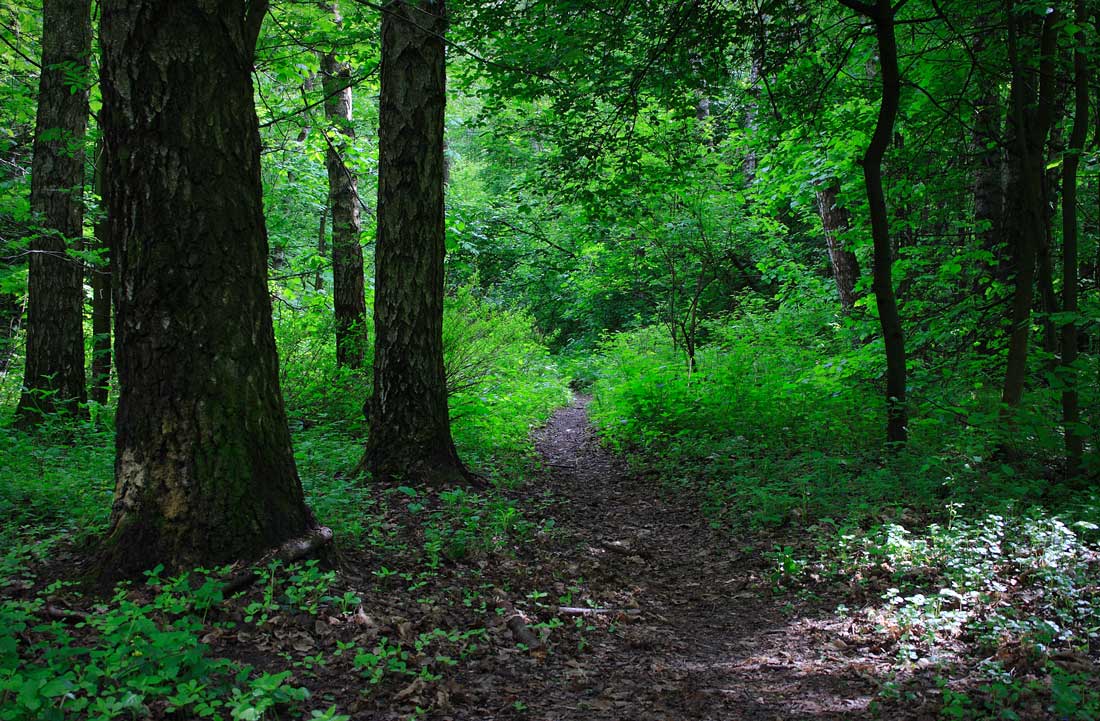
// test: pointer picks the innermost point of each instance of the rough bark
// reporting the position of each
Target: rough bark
(882, 14)
(410, 433)
(1030, 119)
(349, 301)
(204, 467)
(53, 378)
(836, 220)
(1071, 412)
(100, 280)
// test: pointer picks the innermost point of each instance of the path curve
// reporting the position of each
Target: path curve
(709, 641)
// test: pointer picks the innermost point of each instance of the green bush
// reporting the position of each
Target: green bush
(783, 420)
(501, 378)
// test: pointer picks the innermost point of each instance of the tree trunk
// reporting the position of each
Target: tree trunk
(1044, 282)
(883, 285)
(343, 196)
(204, 467)
(1044, 275)
(1030, 124)
(101, 292)
(410, 433)
(1071, 412)
(322, 250)
(53, 378)
(835, 221)
(989, 194)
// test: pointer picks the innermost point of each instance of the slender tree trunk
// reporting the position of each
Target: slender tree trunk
(53, 378)
(1030, 124)
(1071, 412)
(410, 433)
(343, 196)
(322, 249)
(883, 285)
(204, 467)
(835, 221)
(1048, 297)
(756, 68)
(101, 292)
(989, 192)
(1044, 275)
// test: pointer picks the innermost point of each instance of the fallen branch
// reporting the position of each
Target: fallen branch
(64, 614)
(577, 611)
(623, 549)
(293, 550)
(517, 624)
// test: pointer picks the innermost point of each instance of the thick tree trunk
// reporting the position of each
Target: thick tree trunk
(100, 277)
(204, 468)
(343, 196)
(410, 433)
(882, 14)
(53, 378)
(836, 221)
(1071, 412)
(1030, 124)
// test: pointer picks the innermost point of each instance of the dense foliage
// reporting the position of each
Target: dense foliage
(659, 205)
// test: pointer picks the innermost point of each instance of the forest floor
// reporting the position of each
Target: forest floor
(709, 640)
(684, 625)
(587, 590)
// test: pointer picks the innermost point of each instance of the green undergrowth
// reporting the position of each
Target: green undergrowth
(1003, 611)
(59, 480)
(166, 647)
(978, 570)
(501, 380)
(782, 421)
(137, 654)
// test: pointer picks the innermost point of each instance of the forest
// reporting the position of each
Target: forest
(549, 359)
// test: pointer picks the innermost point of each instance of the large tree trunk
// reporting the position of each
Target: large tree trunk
(204, 468)
(53, 378)
(835, 221)
(1071, 412)
(343, 196)
(882, 14)
(1030, 121)
(410, 433)
(101, 292)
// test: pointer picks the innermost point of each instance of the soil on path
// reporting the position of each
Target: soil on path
(700, 635)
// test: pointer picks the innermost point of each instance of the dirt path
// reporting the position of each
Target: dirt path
(709, 641)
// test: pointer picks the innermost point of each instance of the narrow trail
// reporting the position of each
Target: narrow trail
(709, 641)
